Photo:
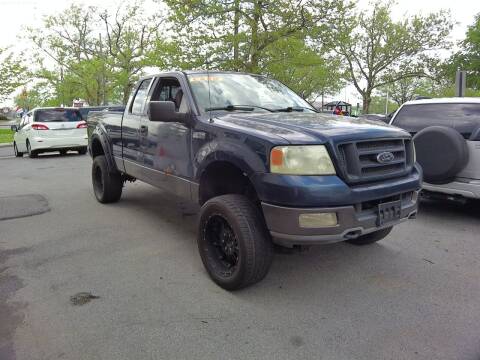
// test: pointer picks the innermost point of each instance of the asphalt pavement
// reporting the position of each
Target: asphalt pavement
(144, 293)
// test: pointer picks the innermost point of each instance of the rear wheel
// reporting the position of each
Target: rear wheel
(233, 242)
(82, 151)
(107, 186)
(31, 153)
(63, 152)
(372, 237)
(15, 149)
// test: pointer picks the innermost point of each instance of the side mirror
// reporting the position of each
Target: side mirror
(165, 111)
(14, 128)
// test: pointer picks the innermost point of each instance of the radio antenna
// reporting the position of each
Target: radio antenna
(209, 93)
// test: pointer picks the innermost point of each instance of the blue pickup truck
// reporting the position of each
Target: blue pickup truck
(267, 168)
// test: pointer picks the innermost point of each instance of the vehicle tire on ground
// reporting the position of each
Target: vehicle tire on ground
(107, 186)
(371, 237)
(15, 150)
(31, 153)
(233, 242)
(82, 151)
(442, 152)
(63, 152)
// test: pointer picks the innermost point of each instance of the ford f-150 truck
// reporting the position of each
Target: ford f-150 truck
(264, 165)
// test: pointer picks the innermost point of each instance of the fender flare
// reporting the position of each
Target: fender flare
(237, 154)
(101, 136)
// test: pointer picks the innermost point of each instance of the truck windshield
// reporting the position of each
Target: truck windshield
(57, 115)
(244, 92)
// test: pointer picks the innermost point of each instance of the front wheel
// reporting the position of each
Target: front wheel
(107, 186)
(233, 242)
(82, 151)
(15, 150)
(371, 237)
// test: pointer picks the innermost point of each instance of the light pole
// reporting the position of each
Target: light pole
(386, 104)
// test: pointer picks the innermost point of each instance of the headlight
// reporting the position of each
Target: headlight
(301, 160)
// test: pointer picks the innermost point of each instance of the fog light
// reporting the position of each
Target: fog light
(317, 220)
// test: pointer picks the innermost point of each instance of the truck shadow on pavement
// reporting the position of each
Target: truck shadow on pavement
(301, 271)
(448, 209)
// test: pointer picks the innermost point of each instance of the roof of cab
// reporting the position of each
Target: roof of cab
(195, 72)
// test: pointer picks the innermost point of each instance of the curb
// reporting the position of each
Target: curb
(6, 145)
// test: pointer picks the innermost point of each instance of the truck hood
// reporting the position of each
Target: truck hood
(297, 127)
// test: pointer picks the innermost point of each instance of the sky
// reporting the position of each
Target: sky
(17, 14)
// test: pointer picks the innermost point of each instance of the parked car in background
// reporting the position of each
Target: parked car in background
(447, 141)
(263, 164)
(378, 117)
(50, 129)
(375, 117)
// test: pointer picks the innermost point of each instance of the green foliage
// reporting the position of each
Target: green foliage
(12, 73)
(377, 106)
(302, 68)
(269, 37)
(6, 136)
(380, 51)
(468, 58)
(98, 53)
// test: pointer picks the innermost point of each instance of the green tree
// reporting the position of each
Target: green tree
(13, 74)
(133, 42)
(236, 35)
(41, 94)
(98, 53)
(468, 58)
(380, 51)
(303, 69)
(70, 40)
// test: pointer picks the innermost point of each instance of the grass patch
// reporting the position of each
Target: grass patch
(6, 136)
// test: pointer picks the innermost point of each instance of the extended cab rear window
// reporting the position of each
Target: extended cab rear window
(463, 117)
(57, 115)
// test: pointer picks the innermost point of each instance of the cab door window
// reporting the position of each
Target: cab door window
(138, 103)
(169, 89)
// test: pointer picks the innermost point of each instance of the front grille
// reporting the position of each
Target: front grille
(358, 161)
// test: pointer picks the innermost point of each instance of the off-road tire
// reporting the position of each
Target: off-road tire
(107, 186)
(255, 248)
(15, 150)
(371, 237)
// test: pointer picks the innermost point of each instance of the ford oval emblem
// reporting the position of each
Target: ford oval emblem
(385, 157)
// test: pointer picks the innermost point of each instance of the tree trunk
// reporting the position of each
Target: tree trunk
(236, 22)
(367, 99)
(126, 93)
(253, 66)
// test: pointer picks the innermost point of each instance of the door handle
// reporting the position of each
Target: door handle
(144, 129)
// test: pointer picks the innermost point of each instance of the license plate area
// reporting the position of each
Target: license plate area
(389, 212)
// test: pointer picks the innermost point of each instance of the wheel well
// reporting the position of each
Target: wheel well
(97, 148)
(221, 178)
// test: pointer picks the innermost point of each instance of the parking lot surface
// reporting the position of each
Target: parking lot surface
(414, 295)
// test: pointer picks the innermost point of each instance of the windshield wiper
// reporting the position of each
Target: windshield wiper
(294, 108)
(237, 107)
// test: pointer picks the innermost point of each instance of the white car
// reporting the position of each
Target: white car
(50, 129)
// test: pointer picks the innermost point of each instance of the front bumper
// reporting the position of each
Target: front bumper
(352, 221)
(469, 188)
